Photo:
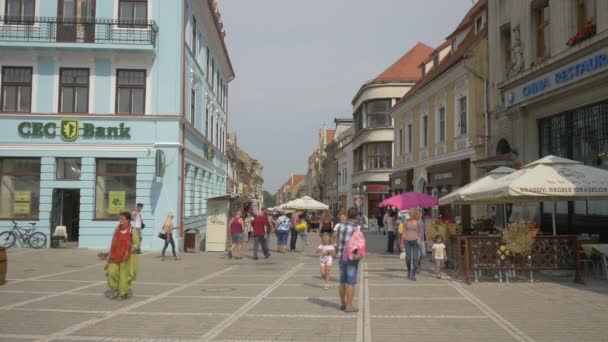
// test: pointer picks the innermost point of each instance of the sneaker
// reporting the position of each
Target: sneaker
(413, 278)
(352, 309)
(342, 307)
(267, 256)
(256, 258)
(325, 287)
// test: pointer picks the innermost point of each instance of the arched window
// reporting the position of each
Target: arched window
(503, 147)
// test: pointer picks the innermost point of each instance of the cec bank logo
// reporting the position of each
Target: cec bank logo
(69, 129)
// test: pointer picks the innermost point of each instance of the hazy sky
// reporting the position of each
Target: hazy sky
(299, 63)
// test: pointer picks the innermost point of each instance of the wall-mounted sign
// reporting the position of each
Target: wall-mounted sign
(70, 130)
(378, 188)
(562, 76)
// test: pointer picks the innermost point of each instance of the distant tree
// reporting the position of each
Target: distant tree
(269, 199)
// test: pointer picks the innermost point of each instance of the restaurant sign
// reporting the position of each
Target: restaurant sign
(562, 76)
(70, 130)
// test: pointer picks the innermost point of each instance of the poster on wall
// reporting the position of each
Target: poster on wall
(372, 225)
(116, 201)
(22, 202)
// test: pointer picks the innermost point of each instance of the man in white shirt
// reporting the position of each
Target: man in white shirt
(138, 222)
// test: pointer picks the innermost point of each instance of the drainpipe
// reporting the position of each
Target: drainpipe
(486, 117)
(183, 122)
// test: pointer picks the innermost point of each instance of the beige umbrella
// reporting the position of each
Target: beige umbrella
(304, 203)
(460, 195)
(548, 179)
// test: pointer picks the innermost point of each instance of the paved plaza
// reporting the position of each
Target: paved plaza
(57, 295)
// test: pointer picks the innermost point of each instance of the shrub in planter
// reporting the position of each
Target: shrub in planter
(518, 238)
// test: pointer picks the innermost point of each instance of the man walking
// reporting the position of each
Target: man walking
(138, 223)
(260, 226)
(349, 269)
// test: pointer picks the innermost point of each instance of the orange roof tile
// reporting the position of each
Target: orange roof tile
(405, 69)
(329, 135)
(452, 58)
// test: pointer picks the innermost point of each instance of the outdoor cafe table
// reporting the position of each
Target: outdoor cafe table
(602, 250)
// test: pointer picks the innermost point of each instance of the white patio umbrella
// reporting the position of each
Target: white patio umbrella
(459, 196)
(304, 203)
(548, 179)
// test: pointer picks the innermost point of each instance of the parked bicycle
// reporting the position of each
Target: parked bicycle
(28, 237)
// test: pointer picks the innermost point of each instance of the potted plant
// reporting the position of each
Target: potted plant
(589, 29)
(437, 227)
(518, 238)
(483, 225)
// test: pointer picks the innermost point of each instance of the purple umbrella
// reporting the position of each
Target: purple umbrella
(410, 200)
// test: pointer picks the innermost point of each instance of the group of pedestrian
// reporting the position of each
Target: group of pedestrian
(408, 234)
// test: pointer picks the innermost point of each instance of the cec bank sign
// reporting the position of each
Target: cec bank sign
(562, 76)
(70, 130)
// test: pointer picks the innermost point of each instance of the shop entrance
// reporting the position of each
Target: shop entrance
(66, 212)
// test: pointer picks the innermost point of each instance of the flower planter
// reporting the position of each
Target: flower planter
(533, 232)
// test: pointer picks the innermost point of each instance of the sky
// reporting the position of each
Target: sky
(299, 63)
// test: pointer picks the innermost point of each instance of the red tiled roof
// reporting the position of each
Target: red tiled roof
(468, 18)
(329, 135)
(451, 59)
(296, 179)
(405, 69)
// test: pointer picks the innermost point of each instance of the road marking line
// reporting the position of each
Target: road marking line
(298, 316)
(493, 315)
(219, 328)
(418, 298)
(434, 316)
(162, 313)
(214, 297)
(20, 336)
(62, 310)
(59, 273)
(304, 298)
(69, 330)
(359, 336)
(367, 329)
(412, 284)
(53, 295)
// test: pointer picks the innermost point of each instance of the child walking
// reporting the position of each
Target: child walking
(327, 252)
(439, 254)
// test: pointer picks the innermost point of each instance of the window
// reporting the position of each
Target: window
(425, 131)
(19, 188)
(505, 38)
(212, 75)
(377, 113)
(358, 118)
(423, 68)
(130, 91)
(585, 11)
(478, 24)
(379, 155)
(435, 60)
(19, 11)
(68, 169)
(541, 15)
(410, 138)
(73, 90)
(16, 89)
(400, 141)
(115, 187)
(133, 12)
(358, 159)
(211, 133)
(207, 122)
(208, 61)
(462, 115)
(217, 133)
(193, 38)
(192, 106)
(442, 124)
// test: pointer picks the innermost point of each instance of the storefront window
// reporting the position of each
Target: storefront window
(19, 188)
(68, 169)
(582, 135)
(116, 187)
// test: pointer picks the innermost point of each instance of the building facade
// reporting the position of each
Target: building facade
(293, 188)
(439, 124)
(95, 116)
(330, 172)
(549, 77)
(372, 142)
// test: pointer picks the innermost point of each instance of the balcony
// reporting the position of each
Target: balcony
(424, 153)
(92, 32)
(440, 148)
(461, 142)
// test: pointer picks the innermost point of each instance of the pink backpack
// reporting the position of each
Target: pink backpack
(356, 242)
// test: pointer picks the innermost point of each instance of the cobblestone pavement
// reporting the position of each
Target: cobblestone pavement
(57, 295)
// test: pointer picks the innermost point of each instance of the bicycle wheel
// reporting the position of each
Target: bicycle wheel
(7, 239)
(37, 240)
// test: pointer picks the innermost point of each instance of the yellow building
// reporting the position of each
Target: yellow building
(440, 125)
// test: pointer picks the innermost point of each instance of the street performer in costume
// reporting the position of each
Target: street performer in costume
(123, 261)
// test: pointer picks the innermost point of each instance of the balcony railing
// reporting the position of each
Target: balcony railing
(461, 142)
(424, 153)
(440, 148)
(78, 30)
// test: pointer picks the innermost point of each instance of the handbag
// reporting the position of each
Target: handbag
(162, 235)
(301, 227)
(402, 256)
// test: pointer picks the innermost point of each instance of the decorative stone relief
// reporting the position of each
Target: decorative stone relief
(517, 53)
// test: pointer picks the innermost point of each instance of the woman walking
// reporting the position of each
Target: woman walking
(282, 228)
(236, 234)
(123, 261)
(166, 232)
(411, 239)
(302, 228)
(327, 224)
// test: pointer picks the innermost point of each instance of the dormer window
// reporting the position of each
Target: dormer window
(435, 60)
(423, 68)
(479, 24)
